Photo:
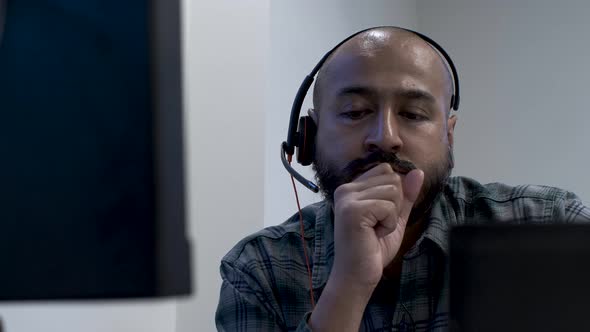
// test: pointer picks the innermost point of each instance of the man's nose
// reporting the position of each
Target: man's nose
(384, 133)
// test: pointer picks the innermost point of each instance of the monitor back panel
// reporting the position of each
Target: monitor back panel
(520, 278)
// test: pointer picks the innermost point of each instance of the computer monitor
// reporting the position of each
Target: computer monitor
(92, 195)
(519, 277)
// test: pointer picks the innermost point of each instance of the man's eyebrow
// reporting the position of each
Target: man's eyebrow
(412, 93)
(416, 94)
(356, 90)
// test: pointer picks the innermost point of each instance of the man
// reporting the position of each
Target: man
(378, 242)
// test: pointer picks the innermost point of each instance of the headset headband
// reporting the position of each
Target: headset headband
(306, 84)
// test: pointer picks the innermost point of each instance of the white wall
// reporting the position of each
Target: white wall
(525, 84)
(301, 32)
(91, 316)
(226, 52)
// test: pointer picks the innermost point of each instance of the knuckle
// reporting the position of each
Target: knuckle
(345, 207)
(385, 208)
(393, 178)
(391, 188)
(389, 224)
(386, 168)
(341, 191)
(396, 192)
(392, 207)
(393, 191)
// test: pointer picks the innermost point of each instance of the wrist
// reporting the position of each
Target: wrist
(341, 305)
(360, 280)
(354, 288)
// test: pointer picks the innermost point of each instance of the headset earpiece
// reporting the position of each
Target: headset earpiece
(306, 140)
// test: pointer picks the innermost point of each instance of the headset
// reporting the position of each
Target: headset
(302, 131)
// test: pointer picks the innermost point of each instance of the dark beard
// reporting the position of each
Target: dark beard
(329, 178)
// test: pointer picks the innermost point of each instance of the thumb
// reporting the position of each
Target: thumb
(412, 183)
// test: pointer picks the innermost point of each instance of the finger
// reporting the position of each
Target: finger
(384, 229)
(389, 191)
(380, 169)
(412, 183)
(382, 179)
(355, 188)
(376, 211)
(379, 215)
(386, 215)
(388, 225)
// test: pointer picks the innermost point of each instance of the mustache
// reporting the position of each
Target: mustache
(361, 165)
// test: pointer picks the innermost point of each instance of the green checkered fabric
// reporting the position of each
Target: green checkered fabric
(265, 281)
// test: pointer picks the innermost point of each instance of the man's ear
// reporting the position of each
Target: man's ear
(451, 122)
(313, 114)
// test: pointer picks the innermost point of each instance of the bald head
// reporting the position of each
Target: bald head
(398, 43)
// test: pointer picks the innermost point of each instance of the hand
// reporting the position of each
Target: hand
(370, 216)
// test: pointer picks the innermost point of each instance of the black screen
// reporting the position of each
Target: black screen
(79, 150)
(520, 277)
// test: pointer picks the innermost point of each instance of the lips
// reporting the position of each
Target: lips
(399, 166)
(359, 166)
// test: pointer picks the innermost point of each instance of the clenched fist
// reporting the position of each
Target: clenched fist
(370, 216)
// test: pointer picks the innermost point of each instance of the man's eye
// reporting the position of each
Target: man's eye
(412, 116)
(355, 115)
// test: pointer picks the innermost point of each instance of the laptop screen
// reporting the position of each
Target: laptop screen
(520, 277)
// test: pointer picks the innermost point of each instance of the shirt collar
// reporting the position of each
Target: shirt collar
(442, 216)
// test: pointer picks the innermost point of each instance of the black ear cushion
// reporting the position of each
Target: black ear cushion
(306, 140)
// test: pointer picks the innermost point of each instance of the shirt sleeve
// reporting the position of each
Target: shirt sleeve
(243, 305)
(571, 209)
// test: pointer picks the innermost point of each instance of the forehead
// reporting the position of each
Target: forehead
(386, 62)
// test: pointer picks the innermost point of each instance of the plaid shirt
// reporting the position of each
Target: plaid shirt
(265, 281)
